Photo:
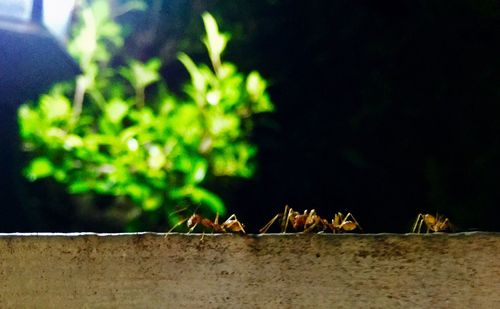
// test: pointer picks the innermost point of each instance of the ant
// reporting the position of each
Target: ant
(436, 223)
(307, 221)
(341, 223)
(231, 225)
(311, 221)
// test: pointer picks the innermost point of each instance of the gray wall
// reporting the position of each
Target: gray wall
(299, 270)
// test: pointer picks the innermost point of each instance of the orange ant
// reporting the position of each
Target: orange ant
(436, 223)
(341, 223)
(307, 221)
(231, 225)
(311, 221)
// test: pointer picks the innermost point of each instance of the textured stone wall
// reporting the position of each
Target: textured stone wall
(294, 270)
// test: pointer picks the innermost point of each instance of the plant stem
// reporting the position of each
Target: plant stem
(78, 98)
(140, 97)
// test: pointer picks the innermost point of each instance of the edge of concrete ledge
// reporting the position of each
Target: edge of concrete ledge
(157, 270)
(77, 234)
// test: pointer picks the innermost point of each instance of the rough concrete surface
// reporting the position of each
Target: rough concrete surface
(270, 271)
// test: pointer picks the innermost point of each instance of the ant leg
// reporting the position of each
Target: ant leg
(324, 225)
(419, 220)
(266, 227)
(284, 219)
(327, 226)
(445, 225)
(218, 228)
(288, 219)
(230, 218)
(354, 220)
(177, 224)
(309, 218)
(240, 226)
(422, 221)
(192, 229)
(234, 220)
(335, 226)
(313, 225)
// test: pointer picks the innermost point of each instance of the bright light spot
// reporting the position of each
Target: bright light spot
(213, 97)
(132, 144)
(56, 16)
(154, 151)
(156, 159)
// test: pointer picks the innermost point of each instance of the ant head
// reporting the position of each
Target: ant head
(193, 220)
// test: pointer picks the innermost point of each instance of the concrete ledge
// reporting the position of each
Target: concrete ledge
(296, 270)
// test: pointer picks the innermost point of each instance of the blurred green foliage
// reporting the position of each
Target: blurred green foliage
(119, 131)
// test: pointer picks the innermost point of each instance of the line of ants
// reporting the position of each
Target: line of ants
(308, 221)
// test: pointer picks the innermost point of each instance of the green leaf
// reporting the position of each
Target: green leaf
(55, 107)
(111, 31)
(183, 164)
(156, 159)
(79, 186)
(201, 196)
(152, 203)
(186, 123)
(39, 168)
(83, 46)
(198, 172)
(197, 78)
(255, 85)
(144, 116)
(29, 121)
(100, 11)
(137, 191)
(228, 124)
(116, 110)
(72, 141)
(214, 40)
(141, 75)
(264, 104)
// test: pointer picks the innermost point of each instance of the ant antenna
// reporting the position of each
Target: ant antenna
(178, 210)
(183, 220)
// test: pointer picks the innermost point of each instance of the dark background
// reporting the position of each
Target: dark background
(383, 109)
